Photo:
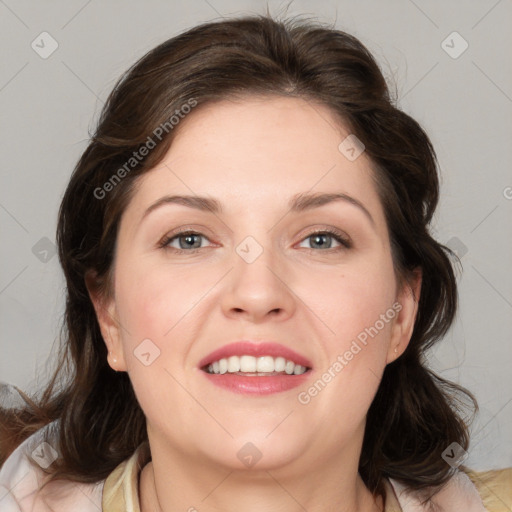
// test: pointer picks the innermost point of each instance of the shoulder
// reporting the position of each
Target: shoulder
(22, 476)
(121, 489)
(471, 491)
(494, 487)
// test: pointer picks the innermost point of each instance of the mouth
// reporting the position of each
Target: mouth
(256, 368)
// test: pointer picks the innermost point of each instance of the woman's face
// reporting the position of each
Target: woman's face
(256, 271)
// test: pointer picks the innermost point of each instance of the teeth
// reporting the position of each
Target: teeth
(247, 364)
(223, 365)
(250, 364)
(233, 364)
(298, 370)
(265, 364)
(290, 365)
(279, 364)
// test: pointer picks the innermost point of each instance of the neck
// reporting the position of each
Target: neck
(174, 482)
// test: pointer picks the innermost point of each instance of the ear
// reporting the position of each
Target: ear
(105, 308)
(403, 326)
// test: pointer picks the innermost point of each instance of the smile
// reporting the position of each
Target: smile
(256, 366)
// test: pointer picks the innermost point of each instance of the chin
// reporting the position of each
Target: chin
(258, 451)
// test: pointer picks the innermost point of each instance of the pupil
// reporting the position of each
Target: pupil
(189, 240)
(319, 237)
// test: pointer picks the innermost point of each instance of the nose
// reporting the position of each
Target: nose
(258, 290)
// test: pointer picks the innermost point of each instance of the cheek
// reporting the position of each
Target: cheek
(153, 302)
(155, 306)
(153, 296)
(357, 310)
(350, 300)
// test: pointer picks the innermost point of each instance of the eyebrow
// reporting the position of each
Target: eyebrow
(302, 202)
(298, 203)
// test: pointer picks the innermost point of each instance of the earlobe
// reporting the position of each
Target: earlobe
(403, 326)
(106, 315)
(112, 361)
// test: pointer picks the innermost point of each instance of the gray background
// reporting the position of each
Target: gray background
(48, 106)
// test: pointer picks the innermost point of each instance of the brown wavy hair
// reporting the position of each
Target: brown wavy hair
(415, 414)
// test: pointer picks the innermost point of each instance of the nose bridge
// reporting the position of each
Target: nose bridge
(257, 281)
(254, 261)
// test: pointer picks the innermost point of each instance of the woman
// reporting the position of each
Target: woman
(252, 287)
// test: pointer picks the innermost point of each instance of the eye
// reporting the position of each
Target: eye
(187, 241)
(191, 241)
(323, 240)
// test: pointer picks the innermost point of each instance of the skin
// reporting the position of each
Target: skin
(253, 155)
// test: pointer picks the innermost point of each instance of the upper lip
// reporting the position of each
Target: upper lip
(256, 349)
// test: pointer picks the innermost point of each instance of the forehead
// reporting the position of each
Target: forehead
(258, 152)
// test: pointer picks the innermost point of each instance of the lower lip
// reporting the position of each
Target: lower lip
(256, 385)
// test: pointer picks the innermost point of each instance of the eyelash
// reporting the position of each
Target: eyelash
(338, 236)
